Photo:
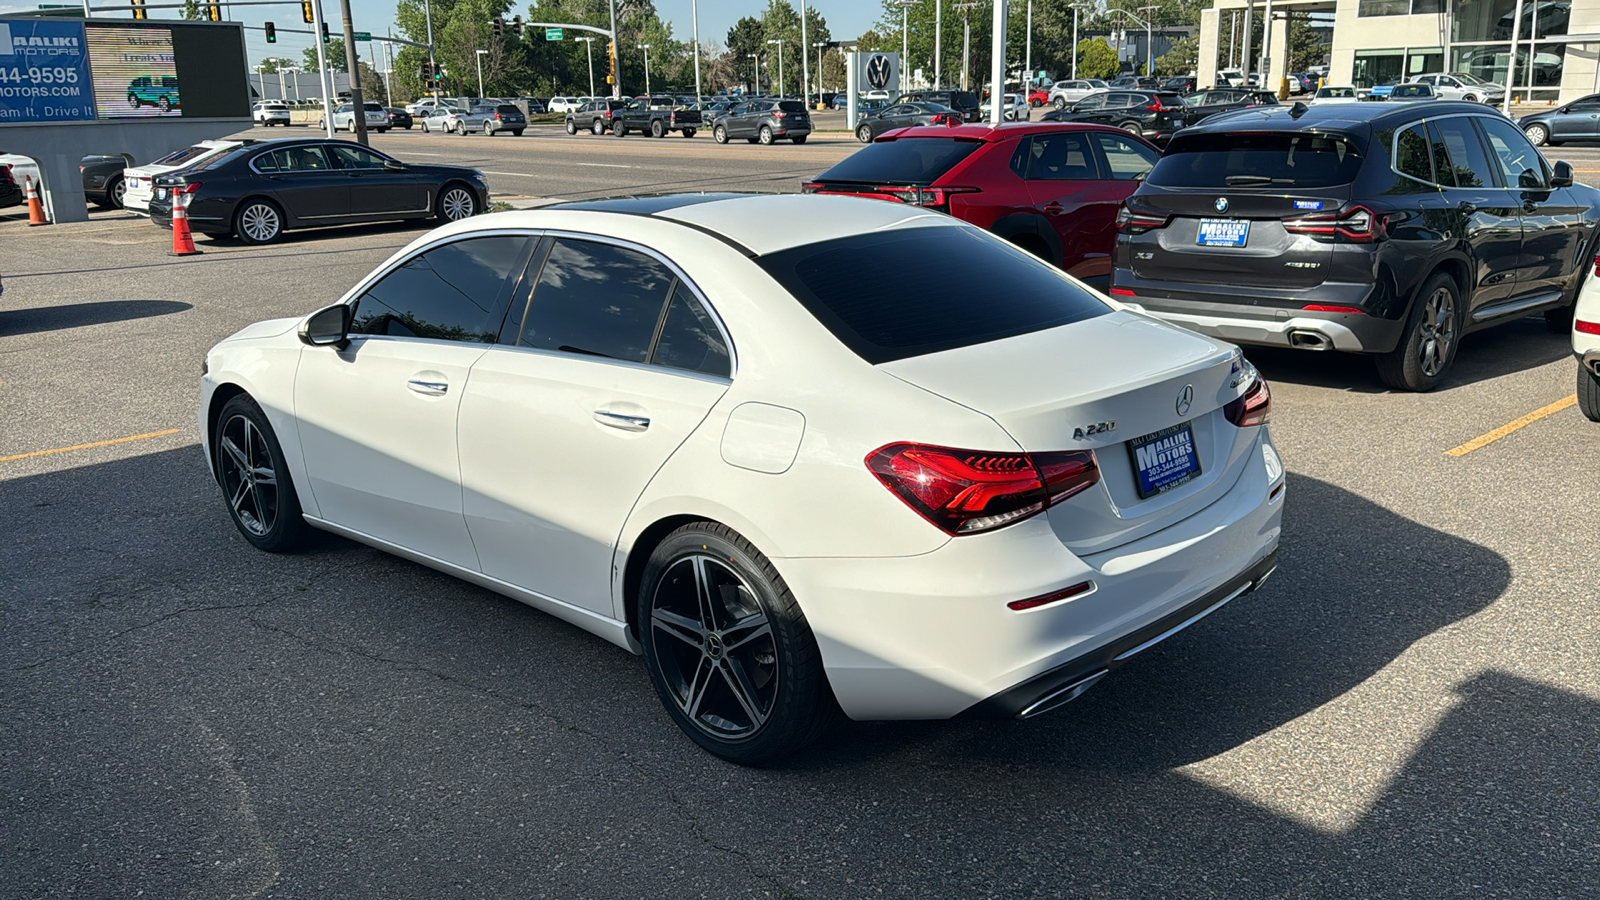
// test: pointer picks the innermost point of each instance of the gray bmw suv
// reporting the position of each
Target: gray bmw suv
(1389, 229)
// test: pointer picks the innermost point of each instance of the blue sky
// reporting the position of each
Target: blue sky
(846, 19)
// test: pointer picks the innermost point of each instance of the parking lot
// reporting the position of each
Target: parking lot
(1409, 707)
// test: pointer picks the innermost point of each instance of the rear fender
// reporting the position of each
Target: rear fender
(1031, 225)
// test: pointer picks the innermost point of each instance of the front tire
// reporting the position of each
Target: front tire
(258, 222)
(1470, 98)
(728, 649)
(254, 479)
(1588, 394)
(455, 203)
(864, 134)
(1428, 347)
(719, 134)
(1538, 135)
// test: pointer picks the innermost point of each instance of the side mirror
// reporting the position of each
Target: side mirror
(1563, 174)
(1563, 111)
(327, 327)
(394, 165)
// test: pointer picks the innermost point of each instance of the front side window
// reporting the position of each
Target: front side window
(454, 292)
(1091, 103)
(1520, 165)
(351, 157)
(597, 300)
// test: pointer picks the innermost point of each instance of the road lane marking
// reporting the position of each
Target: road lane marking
(513, 174)
(120, 440)
(606, 165)
(1485, 440)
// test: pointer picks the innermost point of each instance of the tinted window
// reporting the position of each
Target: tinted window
(294, 159)
(1091, 102)
(596, 299)
(690, 338)
(1411, 155)
(908, 160)
(988, 290)
(1586, 105)
(455, 292)
(792, 106)
(1126, 158)
(179, 157)
(1519, 163)
(1064, 156)
(349, 157)
(1458, 155)
(1246, 160)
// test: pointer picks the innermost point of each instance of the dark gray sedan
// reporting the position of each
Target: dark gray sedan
(903, 115)
(1577, 121)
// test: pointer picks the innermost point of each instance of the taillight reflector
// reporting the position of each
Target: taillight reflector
(970, 491)
(1597, 265)
(1586, 327)
(1318, 307)
(1081, 587)
(1253, 407)
(1122, 292)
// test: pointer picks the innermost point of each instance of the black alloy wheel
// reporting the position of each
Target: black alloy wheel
(258, 221)
(728, 650)
(1428, 347)
(255, 481)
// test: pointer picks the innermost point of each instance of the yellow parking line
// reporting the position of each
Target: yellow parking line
(1484, 440)
(120, 440)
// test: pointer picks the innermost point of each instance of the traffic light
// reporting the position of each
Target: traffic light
(272, 31)
(138, 10)
(305, 11)
(214, 12)
(325, 37)
(499, 27)
(516, 26)
(425, 71)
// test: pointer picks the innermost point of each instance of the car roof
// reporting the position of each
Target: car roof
(1334, 117)
(983, 131)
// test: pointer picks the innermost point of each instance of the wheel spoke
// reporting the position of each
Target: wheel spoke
(239, 493)
(265, 476)
(743, 691)
(681, 627)
(702, 592)
(698, 686)
(747, 629)
(235, 454)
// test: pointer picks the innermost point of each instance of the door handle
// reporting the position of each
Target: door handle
(1054, 209)
(1467, 207)
(624, 422)
(430, 388)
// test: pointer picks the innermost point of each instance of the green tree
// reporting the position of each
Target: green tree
(1096, 59)
(191, 9)
(1180, 59)
(272, 64)
(333, 49)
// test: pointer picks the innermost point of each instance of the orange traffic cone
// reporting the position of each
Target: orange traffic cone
(35, 207)
(182, 240)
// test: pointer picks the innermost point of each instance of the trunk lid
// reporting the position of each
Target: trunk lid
(1060, 388)
(1270, 255)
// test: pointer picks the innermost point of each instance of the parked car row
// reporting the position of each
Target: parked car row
(104, 183)
(485, 118)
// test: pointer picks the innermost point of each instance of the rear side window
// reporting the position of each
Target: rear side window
(1128, 159)
(1411, 154)
(179, 157)
(1458, 154)
(456, 292)
(690, 339)
(918, 160)
(598, 300)
(971, 288)
(1265, 159)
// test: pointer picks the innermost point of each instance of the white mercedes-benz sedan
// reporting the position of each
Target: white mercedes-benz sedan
(806, 454)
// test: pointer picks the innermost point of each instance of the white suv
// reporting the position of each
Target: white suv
(1586, 346)
(1461, 86)
(344, 117)
(271, 112)
(1065, 93)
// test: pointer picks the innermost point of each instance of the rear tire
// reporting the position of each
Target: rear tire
(1133, 128)
(719, 134)
(764, 135)
(116, 188)
(1428, 347)
(1059, 103)
(800, 139)
(688, 132)
(1589, 394)
(258, 221)
(729, 651)
(597, 127)
(657, 129)
(255, 481)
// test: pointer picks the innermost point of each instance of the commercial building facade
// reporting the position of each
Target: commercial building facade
(1557, 42)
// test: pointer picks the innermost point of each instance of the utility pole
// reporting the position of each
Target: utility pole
(324, 77)
(805, 63)
(756, 88)
(433, 62)
(938, 44)
(1027, 56)
(694, 20)
(997, 65)
(357, 104)
(819, 45)
(1149, 39)
(1075, 8)
(646, 49)
(966, 38)
(1244, 56)
(588, 50)
(780, 64)
(905, 43)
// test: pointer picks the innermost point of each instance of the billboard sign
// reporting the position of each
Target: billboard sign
(44, 72)
(135, 72)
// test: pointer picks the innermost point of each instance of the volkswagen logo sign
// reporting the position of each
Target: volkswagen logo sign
(1185, 399)
(879, 71)
(1222, 204)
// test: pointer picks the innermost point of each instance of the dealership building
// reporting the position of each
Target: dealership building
(1383, 41)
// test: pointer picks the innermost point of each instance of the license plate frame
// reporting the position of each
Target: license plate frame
(1236, 233)
(1167, 467)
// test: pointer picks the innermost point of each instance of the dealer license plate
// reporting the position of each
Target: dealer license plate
(161, 193)
(1223, 232)
(1164, 460)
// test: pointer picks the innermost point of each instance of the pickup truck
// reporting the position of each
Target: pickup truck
(655, 116)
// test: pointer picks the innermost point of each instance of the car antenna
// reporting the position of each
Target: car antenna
(1298, 109)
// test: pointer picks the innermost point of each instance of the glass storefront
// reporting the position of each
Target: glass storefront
(1490, 61)
(1399, 7)
(1491, 20)
(1375, 67)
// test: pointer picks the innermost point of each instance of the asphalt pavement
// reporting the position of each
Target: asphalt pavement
(1410, 707)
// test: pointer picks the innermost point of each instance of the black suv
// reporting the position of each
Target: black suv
(1153, 115)
(1389, 229)
(1205, 104)
(964, 102)
(764, 121)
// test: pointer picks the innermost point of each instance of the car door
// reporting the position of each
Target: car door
(374, 188)
(1552, 223)
(305, 182)
(1063, 181)
(1485, 216)
(1087, 109)
(1576, 121)
(564, 425)
(378, 418)
(739, 119)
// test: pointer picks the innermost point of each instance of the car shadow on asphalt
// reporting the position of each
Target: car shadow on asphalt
(1515, 346)
(38, 319)
(311, 235)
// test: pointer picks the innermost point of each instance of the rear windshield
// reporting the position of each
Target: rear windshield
(187, 154)
(1248, 160)
(917, 160)
(909, 292)
(791, 106)
(1170, 99)
(508, 108)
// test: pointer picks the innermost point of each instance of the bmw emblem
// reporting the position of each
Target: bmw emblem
(1185, 399)
(1222, 204)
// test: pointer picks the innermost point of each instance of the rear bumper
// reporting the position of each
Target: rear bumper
(931, 636)
(1247, 315)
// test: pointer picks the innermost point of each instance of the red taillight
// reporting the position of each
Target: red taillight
(1122, 292)
(497, 117)
(917, 195)
(1586, 327)
(1358, 225)
(189, 188)
(1081, 587)
(1254, 407)
(969, 491)
(1132, 222)
(1597, 265)
(1318, 307)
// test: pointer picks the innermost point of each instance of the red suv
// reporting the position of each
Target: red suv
(1051, 188)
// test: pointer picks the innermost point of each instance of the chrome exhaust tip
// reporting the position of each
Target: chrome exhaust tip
(1306, 339)
(1061, 696)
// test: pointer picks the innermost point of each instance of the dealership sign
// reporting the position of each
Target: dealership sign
(44, 72)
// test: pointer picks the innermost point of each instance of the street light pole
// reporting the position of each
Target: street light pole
(1027, 55)
(805, 63)
(819, 45)
(694, 20)
(1149, 39)
(905, 40)
(611, 50)
(588, 51)
(480, 55)
(997, 65)
(938, 43)
(756, 88)
(780, 64)
(1075, 8)
(295, 82)
(966, 37)
(646, 49)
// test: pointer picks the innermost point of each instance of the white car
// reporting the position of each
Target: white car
(1335, 94)
(1065, 93)
(269, 113)
(562, 104)
(140, 181)
(1015, 109)
(1586, 346)
(1461, 86)
(885, 96)
(698, 428)
(428, 107)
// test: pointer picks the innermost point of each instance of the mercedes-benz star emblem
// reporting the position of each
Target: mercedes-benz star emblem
(1222, 204)
(878, 72)
(1185, 399)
